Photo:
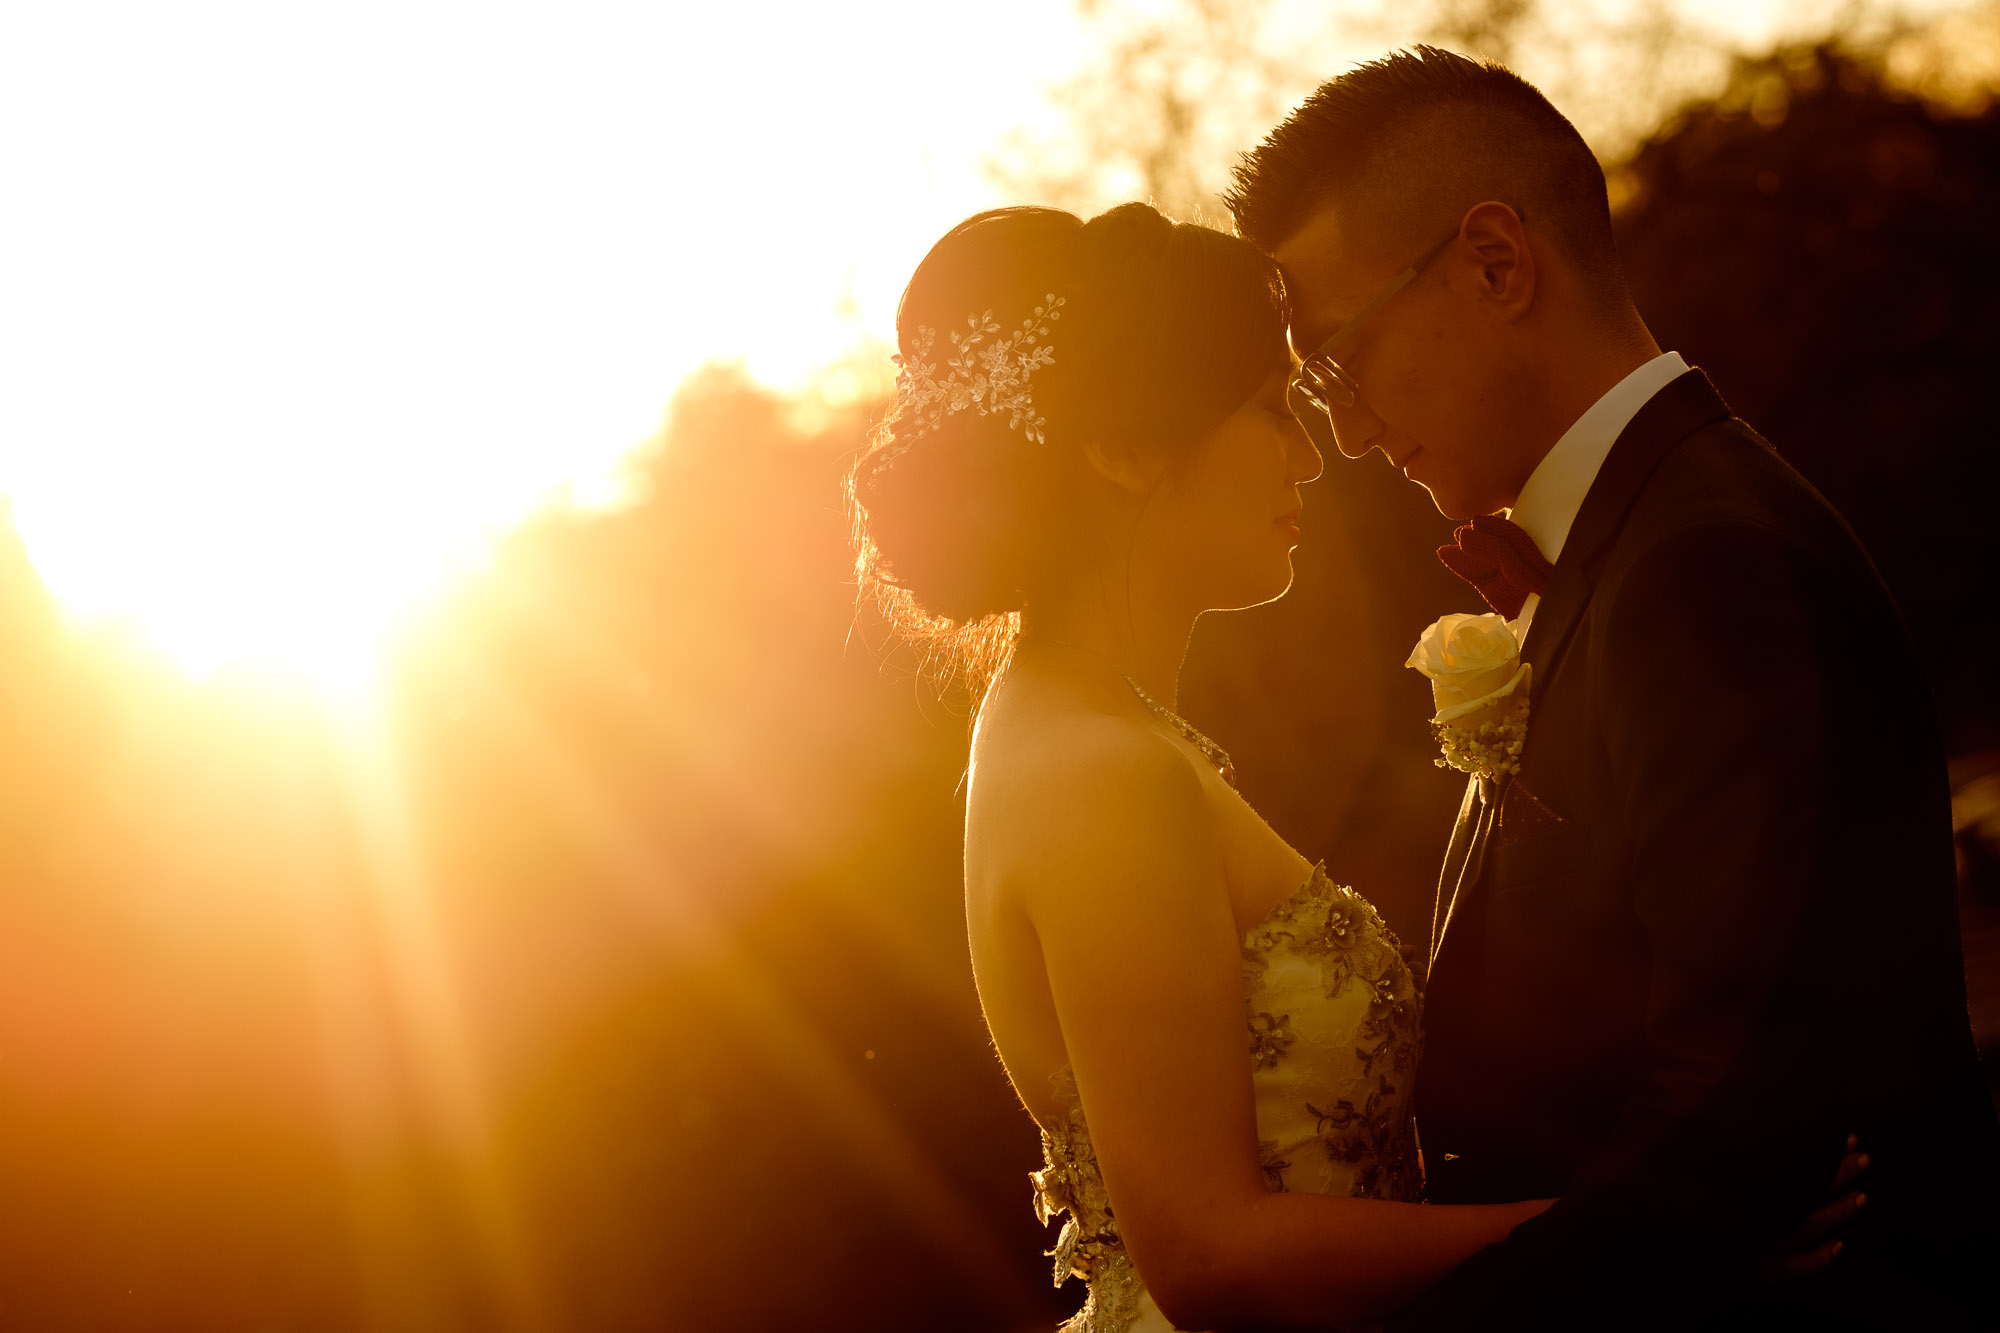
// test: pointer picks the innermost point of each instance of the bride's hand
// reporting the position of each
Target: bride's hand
(1813, 1246)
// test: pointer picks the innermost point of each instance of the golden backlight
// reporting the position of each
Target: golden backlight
(305, 304)
(486, 902)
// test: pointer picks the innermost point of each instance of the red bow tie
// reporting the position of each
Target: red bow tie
(1500, 559)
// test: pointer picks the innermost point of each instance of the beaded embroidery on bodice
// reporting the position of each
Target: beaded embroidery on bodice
(1334, 1027)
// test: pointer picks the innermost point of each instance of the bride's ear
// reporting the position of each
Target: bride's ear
(1123, 464)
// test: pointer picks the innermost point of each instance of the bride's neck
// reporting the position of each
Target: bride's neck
(1144, 642)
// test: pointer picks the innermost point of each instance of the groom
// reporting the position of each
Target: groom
(1710, 925)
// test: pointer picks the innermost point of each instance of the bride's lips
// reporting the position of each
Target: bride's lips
(1404, 462)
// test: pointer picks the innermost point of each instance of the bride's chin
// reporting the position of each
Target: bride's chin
(1265, 590)
(1282, 578)
(1282, 588)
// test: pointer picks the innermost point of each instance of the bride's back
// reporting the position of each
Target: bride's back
(1064, 754)
(1090, 437)
(1089, 447)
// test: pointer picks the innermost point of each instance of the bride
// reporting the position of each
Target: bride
(1089, 447)
(1220, 1046)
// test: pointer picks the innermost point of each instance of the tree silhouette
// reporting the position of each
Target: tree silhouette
(1819, 241)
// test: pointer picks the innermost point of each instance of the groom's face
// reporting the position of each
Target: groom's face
(1431, 377)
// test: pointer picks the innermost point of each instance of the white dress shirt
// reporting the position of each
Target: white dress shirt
(1554, 491)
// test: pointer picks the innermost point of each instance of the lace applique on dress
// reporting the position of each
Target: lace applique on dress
(1270, 1157)
(1332, 1021)
(1332, 923)
(1362, 1120)
(1088, 1247)
(1270, 1038)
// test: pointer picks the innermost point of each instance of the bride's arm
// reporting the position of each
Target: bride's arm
(1127, 893)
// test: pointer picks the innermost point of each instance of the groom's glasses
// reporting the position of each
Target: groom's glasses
(1318, 384)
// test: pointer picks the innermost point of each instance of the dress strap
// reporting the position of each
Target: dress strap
(1214, 753)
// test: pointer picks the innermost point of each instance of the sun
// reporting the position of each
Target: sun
(296, 593)
(306, 307)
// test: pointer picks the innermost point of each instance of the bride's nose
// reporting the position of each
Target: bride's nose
(1306, 461)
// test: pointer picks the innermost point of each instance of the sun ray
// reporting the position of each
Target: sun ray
(431, 1017)
(676, 914)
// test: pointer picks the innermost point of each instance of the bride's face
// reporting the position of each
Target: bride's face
(1225, 520)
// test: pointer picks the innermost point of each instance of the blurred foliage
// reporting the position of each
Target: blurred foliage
(1819, 242)
(1179, 87)
(1168, 99)
(619, 981)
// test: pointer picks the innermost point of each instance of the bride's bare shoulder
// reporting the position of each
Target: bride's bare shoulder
(1060, 791)
(1039, 744)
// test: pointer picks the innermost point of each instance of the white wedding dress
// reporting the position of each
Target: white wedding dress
(1334, 1032)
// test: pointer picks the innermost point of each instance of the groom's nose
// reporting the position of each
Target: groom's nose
(1355, 429)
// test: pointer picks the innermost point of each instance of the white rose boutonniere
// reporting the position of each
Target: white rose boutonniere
(1480, 687)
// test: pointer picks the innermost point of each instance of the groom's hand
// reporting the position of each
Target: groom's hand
(1813, 1246)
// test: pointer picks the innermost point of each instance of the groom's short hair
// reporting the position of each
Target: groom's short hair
(1405, 144)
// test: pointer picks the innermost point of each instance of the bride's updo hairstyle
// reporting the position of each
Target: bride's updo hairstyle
(1164, 329)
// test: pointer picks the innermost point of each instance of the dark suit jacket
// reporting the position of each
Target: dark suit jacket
(1710, 928)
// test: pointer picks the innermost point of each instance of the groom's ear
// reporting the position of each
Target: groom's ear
(1123, 463)
(1506, 262)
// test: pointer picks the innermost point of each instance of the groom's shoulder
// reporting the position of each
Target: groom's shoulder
(1727, 479)
(1725, 520)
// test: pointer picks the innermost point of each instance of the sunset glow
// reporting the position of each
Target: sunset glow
(308, 304)
(473, 857)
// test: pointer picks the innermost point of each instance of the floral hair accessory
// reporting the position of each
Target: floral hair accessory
(985, 373)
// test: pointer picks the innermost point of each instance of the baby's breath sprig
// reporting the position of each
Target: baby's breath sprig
(1491, 750)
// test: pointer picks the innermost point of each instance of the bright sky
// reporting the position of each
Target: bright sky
(302, 303)
(298, 303)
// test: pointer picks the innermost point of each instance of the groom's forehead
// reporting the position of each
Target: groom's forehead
(1327, 271)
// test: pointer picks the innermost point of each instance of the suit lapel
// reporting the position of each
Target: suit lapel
(1670, 416)
(1457, 856)
(1685, 406)
(1465, 860)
